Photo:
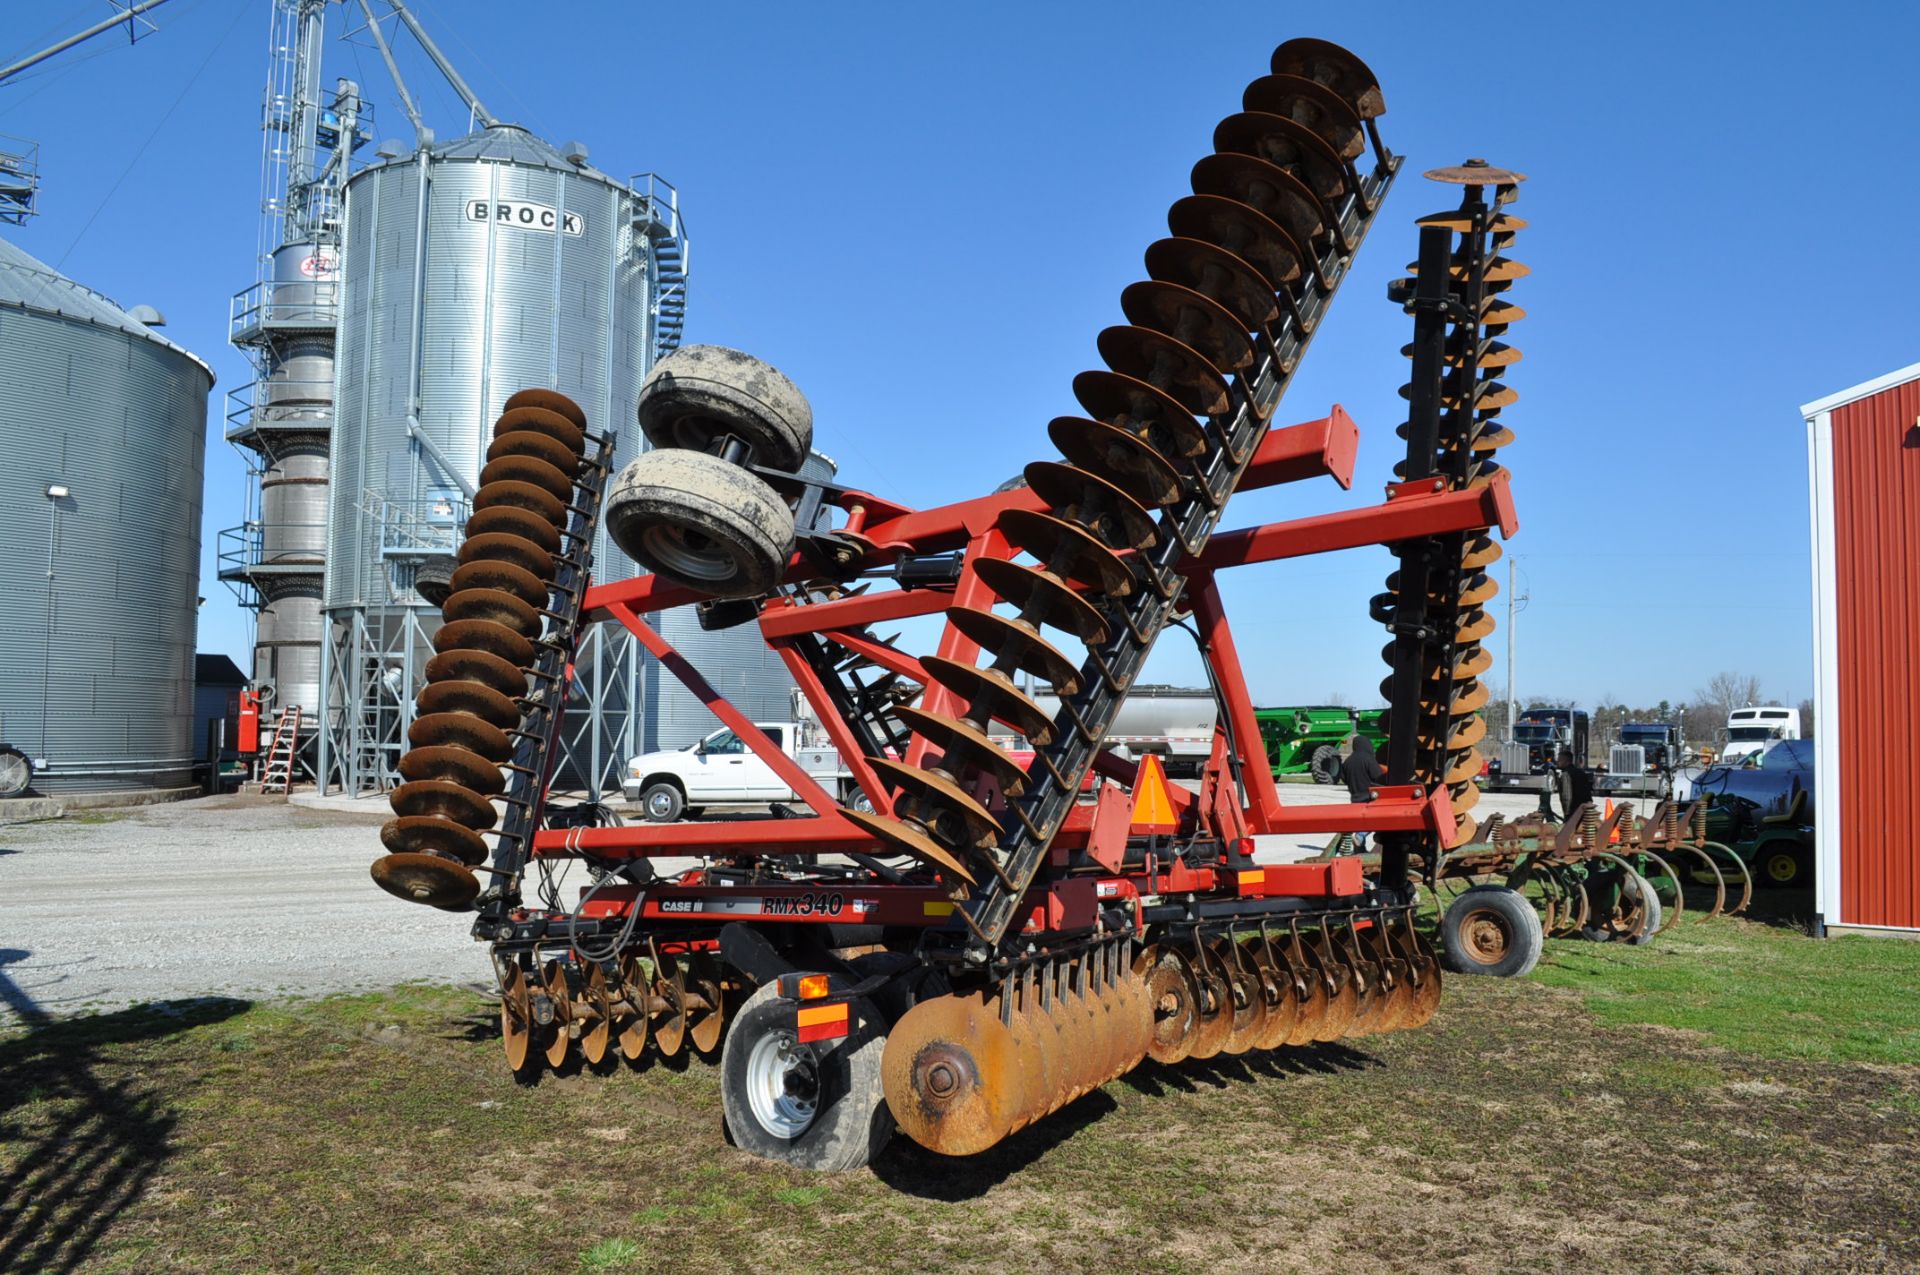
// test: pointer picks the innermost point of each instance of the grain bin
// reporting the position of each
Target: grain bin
(103, 431)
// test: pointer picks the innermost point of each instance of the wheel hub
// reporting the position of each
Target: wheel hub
(783, 1085)
(1486, 938)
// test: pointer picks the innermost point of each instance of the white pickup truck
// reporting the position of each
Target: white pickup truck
(721, 770)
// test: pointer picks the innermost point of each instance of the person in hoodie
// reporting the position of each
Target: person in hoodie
(1361, 771)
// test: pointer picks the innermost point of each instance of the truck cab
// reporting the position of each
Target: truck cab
(1751, 731)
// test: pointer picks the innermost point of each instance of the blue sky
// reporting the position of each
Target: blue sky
(926, 214)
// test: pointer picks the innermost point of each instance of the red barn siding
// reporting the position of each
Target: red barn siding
(1876, 503)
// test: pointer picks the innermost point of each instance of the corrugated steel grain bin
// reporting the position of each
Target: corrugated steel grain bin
(103, 435)
(1863, 448)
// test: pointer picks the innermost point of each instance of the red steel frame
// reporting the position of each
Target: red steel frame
(1320, 448)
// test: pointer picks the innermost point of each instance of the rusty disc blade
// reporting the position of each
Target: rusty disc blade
(1170, 996)
(455, 766)
(1035, 1042)
(1066, 550)
(516, 1017)
(534, 471)
(475, 699)
(1122, 458)
(964, 745)
(1313, 104)
(1369, 986)
(1495, 315)
(1463, 770)
(551, 400)
(1396, 974)
(952, 1075)
(531, 445)
(500, 547)
(1274, 193)
(427, 834)
(506, 680)
(1191, 319)
(439, 799)
(527, 497)
(973, 823)
(1475, 172)
(1474, 625)
(1477, 589)
(1466, 796)
(669, 1021)
(511, 520)
(484, 635)
(538, 420)
(1249, 1005)
(1043, 598)
(1343, 998)
(1283, 999)
(1179, 370)
(1140, 409)
(1213, 1006)
(990, 691)
(1244, 232)
(1490, 354)
(1288, 144)
(1018, 643)
(594, 1008)
(553, 982)
(459, 730)
(630, 1014)
(1216, 274)
(1310, 987)
(1480, 552)
(705, 1023)
(1093, 502)
(1492, 439)
(1327, 63)
(502, 577)
(1081, 1027)
(495, 606)
(1469, 697)
(426, 878)
(1461, 222)
(909, 840)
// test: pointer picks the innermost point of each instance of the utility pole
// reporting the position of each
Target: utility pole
(1513, 702)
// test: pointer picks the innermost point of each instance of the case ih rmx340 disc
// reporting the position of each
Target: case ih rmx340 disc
(998, 933)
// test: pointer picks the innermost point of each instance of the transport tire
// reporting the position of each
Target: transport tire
(1778, 867)
(16, 772)
(1326, 764)
(814, 1106)
(701, 522)
(433, 581)
(663, 802)
(699, 394)
(1491, 930)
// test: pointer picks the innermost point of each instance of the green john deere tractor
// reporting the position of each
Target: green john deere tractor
(1311, 741)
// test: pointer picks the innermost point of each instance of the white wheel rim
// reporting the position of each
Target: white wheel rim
(688, 552)
(660, 804)
(776, 1059)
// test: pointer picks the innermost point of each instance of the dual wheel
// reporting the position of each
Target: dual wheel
(690, 510)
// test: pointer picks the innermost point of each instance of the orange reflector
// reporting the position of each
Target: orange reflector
(813, 986)
(1152, 806)
(1253, 877)
(822, 1022)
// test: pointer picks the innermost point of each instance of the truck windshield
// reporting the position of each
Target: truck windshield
(1642, 735)
(1533, 732)
(1748, 734)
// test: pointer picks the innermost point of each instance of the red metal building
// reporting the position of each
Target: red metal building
(1863, 451)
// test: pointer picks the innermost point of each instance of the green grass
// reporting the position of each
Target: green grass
(382, 1133)
(1756, 989)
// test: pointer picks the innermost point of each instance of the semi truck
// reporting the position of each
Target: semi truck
(1751, 731)
(1539, 734)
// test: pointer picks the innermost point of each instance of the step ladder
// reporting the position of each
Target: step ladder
(278, 775)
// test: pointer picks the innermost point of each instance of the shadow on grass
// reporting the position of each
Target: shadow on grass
(912, 1169)
(81, 1143)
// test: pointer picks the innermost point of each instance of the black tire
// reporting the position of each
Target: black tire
(433, 581)
(663, 802)
(701, 393)
(693, 812)
(701, 522)
(832, 1115)
(854, 797)
(1326, 764)
(16, 772)
(1491, 930)
(1782, 866)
